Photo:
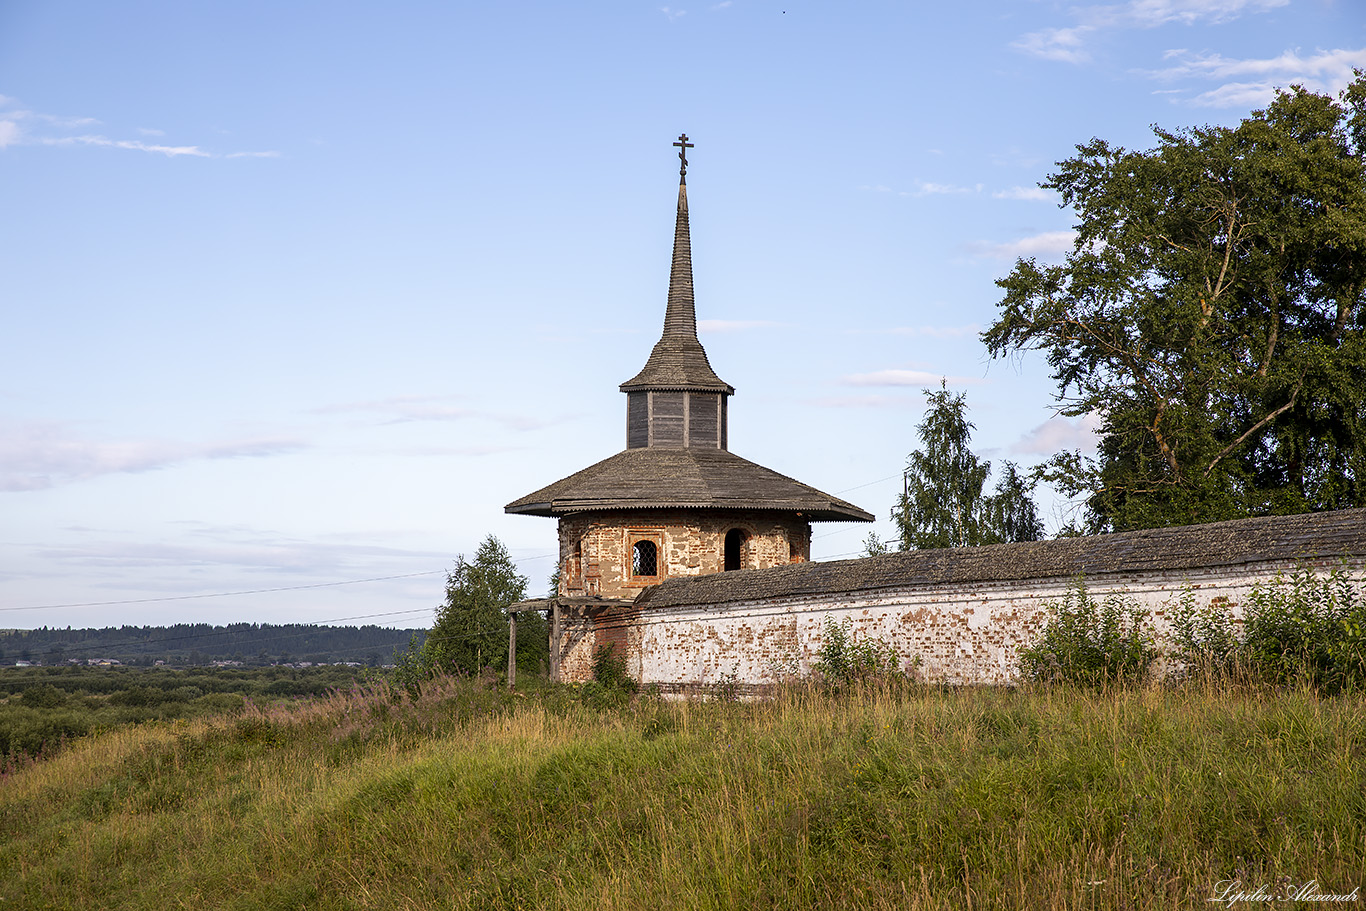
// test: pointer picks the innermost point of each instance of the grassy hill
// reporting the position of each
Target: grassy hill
(920, 798)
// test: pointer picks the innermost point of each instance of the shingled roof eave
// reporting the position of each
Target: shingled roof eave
(635, 384)
(815, 513)
(700, 479)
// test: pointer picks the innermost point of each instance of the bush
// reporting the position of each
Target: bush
(609, 669)
(1300, 629)
(43, 696)
(1090, 643)
(1310, 630)
(843, 660)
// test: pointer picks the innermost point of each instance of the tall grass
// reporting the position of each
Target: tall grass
(873, 798)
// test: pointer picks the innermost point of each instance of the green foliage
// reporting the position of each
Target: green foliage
(47, 709)
(533, 642)
(915, 798)
(470, 632)
(1212, 312)
(873, 546)
(1301, 629)
(846, 660)
(609, 669)
(199, 643)
(1088, 643)
(943, 505)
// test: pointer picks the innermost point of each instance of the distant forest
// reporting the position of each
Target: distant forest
(201, 643)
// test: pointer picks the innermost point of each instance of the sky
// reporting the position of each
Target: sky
(295, 297)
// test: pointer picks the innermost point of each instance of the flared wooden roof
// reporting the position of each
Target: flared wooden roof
(649, 478)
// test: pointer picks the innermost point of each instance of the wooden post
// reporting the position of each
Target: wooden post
(555, 640)
(512, 650)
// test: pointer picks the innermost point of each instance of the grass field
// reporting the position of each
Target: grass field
(884, 798)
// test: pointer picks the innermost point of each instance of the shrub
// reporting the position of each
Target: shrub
(1090, 643)
(1205, 642)
(609, 669)
(611, 686)
(1300, 629)
(43, 696)
(1308, 629)
(844, 660)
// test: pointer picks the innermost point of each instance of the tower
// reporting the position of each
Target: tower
(675, 501)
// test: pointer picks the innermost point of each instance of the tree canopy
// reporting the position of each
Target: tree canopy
(943, 504)
(1211, 313)
(471, 628)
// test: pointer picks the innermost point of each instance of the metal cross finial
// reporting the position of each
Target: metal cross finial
(683, 146)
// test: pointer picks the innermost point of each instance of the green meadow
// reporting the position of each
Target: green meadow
(883, 797)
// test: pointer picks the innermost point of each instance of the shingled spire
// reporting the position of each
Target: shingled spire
(678, 361)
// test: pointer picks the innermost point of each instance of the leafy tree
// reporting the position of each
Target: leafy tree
(471, 629)
(873, 546)
(1211, 312)
(943, 505)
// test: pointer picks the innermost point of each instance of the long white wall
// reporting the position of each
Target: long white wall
(961, 634)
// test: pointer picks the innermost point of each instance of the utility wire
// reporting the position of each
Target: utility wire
(254, 591)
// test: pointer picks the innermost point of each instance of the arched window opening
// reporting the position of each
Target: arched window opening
(644, 559)
(735, 548)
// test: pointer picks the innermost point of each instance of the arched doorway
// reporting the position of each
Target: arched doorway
(735, 549)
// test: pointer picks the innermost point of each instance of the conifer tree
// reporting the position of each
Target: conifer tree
(944, 504)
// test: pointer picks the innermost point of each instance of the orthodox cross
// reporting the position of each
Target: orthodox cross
(683, 146)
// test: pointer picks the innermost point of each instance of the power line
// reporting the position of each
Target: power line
(254, 591)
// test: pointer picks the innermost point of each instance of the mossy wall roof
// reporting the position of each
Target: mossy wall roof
(1172, 550)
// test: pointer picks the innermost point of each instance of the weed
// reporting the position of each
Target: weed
(1298, 629)
(1090, 643)
(845, 660)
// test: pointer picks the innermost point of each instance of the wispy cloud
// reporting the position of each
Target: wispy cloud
(924, 188)
(1069, 44)
(138, 145)
(922, 331)
(1154, 13)
(734, 325)
(1027, 194)
(401, 409)
(1065, 45)
(902, 377)
(204, 546)
(1058, 434)
(36, 455)
(673, 15)
(21, 126)
(1253, 81)
(1049, 245)
(411, 408)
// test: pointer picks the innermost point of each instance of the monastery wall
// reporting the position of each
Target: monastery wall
(962, 634)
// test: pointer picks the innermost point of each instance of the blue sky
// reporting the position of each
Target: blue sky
(299, 294)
